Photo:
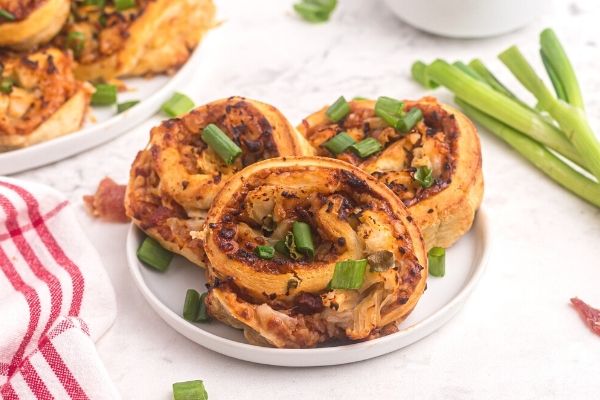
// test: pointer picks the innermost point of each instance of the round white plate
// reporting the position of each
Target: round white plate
(108, 124)
(165, 292)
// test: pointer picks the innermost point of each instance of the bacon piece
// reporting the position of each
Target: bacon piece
(108, 201)
(590, 315)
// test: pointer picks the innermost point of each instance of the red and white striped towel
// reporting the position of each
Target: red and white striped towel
(55, 299)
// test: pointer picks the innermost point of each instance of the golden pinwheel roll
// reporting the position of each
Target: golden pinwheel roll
(138, 38)
(263, 278)
(39, 98)
(28, 23)
(444, 143)
(174, 180)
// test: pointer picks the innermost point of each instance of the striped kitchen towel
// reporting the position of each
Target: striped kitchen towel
(55, 299)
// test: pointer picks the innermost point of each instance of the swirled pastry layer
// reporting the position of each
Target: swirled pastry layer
(444, 141)
(286, 301)
(35, 22)
(154, 36)
(40, 98)
(174, 180)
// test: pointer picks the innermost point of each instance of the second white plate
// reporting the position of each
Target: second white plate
(165, 292)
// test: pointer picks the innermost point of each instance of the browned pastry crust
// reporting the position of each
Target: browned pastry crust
(36, 22)
(175, 179)
(155, 36)
(285, 302)
(45, 100)
(445, 141)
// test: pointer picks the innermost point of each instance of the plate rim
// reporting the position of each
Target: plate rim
(85, 138)
(238, 349)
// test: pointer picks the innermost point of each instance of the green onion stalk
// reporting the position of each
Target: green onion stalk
(538, 155)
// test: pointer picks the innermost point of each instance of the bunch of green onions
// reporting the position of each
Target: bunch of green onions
(554, 135)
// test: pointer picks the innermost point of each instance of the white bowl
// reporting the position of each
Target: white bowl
(467, 18)
(165, 292)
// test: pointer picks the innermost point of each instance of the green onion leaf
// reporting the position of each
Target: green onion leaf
(424, 176)
(437, 261)
(121, 107)
(6, 85)
(408, 122)
(202, 311)
(315, 10)
(338, 110)
(76, 42)
(556, 83)
(191, 305)
(467, 70)
(264, 252)
(192, 390)
(221, 143)
(281, 247)
(419, 74)
(290, 246)
(177, 105)
(303, 238)
(366, 147)
(339, 143)
(349, 274)
(154, 255)
(7, 15)
(121, 5)
(105, 95)
(389, 105)
(380, 261)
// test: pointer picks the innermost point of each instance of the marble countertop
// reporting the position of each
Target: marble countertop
(517, 336)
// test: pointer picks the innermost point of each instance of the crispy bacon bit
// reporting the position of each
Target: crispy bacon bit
(108, 201)
(590, 315)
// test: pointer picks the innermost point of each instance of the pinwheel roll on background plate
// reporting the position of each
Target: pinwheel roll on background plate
(39, 98)
(24, 24)
(305, 250)
(115, 39)
(426, 152)
(174, 180)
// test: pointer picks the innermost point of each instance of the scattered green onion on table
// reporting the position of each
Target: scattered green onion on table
(315, 10)
(555, 135)
(177, 105)
(190, 390)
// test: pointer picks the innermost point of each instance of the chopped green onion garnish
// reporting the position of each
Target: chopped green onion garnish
(6, 85)
(339, 143)
(390, 106)
(437, 261)
(7, 15)
(292, 284)
(380, 261)
(191, 305)
(315, 10)
(338, 110)
(76, 42)
(281, 248)
(105, 95)
(202, 312)
(126, 105)
(349, 274)
(419, 74)
(303, 238)
(177, 105)
(360, 98)
(192, 390)
(409, 120)
(424, 176)
(391, 120)
(290, 245)
(264, 252)
(95, 3)
(366, 147)
(220, 143)
(154, 255)
(121, 5)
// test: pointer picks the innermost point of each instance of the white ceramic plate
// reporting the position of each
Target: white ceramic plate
(108, 124)
(165, 292)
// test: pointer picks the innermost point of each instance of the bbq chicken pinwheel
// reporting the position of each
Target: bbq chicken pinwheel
(174, 180)
(24, 24)
(305, 250)
(134, 37)
(427, 153)
(39, 98)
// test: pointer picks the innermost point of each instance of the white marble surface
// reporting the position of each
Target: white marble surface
(517, 337)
